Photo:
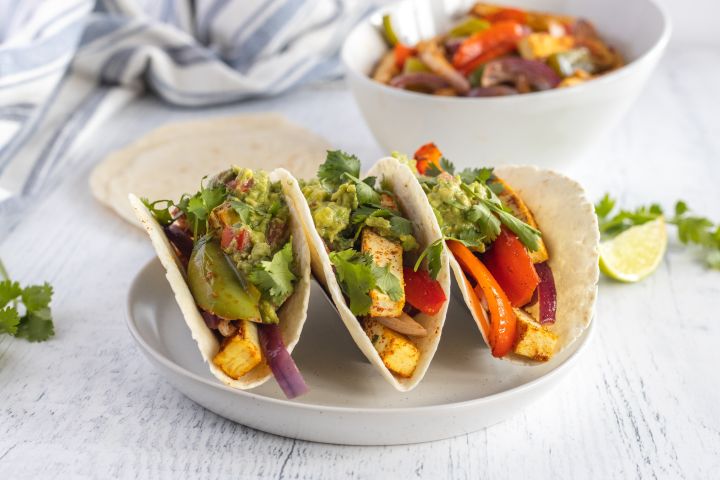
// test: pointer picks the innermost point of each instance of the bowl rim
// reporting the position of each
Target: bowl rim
(566, 365)
(615, 75)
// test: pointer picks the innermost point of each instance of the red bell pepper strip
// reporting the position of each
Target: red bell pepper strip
(510, 264)
(491, 54)
(503, 323)
(426, 155)
(499, 34)
(402, 53)
(422, 292)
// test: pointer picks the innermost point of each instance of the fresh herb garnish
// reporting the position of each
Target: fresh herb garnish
(433, 252)
(337, 164)
(197, 207)
(25, 312)
(162, 214)
(691, 229)
(275, 278)
(358, 275)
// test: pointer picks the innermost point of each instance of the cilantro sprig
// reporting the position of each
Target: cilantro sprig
(337, 164)
(25, 312)
(358, 275)
(691, 229)
(275, 277)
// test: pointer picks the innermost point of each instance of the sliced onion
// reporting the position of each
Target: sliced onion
(419, 79)
(494, 91)
(516, 69)
(547, 295)
(281, 363)
(212, 321)
(403, 324)
(181, 239)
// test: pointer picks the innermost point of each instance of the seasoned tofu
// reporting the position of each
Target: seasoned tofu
(580, 76)
(516, 205)
(542, 45)
(386, 69)
(387, 201)
(384, 252)
(240, 353)
(398, 352)
(533, 341)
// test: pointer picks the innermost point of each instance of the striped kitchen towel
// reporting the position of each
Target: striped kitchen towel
(66, 65)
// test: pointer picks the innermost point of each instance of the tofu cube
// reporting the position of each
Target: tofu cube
(384, 252)
(398, 352)
(240, 353)
(532, 340)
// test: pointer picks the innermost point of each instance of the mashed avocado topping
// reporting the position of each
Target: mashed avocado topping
(240, 219)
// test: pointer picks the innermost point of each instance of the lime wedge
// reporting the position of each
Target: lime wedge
(635, 253)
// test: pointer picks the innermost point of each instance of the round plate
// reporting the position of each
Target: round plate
(464, 390)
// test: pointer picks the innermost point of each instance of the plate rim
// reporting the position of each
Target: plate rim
(583, 343)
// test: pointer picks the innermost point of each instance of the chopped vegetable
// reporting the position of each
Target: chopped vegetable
(402, 53)
(404, 324)
(468, 27)
(389, 31)
(283, 366)
(422, 292)
(510, 264)
(426, 155)
(216, 286)
(432, 55)
(418, 80)
(502, 317)
(500, 34)
(567, 63)
(415, 65)
(517, 71)
(542, 45)
(547, 294)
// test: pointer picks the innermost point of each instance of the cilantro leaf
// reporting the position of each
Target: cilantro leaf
(386, 282)
(366, 194)
(337, 164)
(480, 175)
(432, 170)
(37, 297)
(275, 277)
(355, 275)
(529, 236)
(447, 166)
(9, 291)
(481, 216)
(433, 252)
(161, 214)
(36, 326)
(401, 225)
(604, 206)
(9, 320)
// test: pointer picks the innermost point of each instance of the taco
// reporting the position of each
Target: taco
(237, 261)
(524, 245)
(365, 237)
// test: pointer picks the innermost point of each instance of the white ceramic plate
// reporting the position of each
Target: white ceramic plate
(465, 389)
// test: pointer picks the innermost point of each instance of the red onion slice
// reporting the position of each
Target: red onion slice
(212, 321)
(494, 91)
(281, 363)
(510, 69)
(419, 79)
(547, 295)
(180, 239)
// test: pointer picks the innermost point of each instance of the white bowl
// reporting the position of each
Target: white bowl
(545, 128)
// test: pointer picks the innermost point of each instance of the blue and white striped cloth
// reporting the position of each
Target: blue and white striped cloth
(66, 65)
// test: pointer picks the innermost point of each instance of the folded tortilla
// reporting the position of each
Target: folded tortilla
(414, 205)
(567, 220)
(292, 313)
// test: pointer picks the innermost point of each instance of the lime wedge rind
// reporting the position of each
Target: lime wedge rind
(635, 253)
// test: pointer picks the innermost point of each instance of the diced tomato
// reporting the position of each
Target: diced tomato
(426, 155)
(402, 53)
(499, 34)
(510, 264)
(246, 185)
(422, 292)
(241, 236)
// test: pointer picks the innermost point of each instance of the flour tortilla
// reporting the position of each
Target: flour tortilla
(569, 226)
(415, 207)
(292, 314)
(172, 159)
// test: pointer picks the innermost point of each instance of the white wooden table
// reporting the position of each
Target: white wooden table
(643, 403)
